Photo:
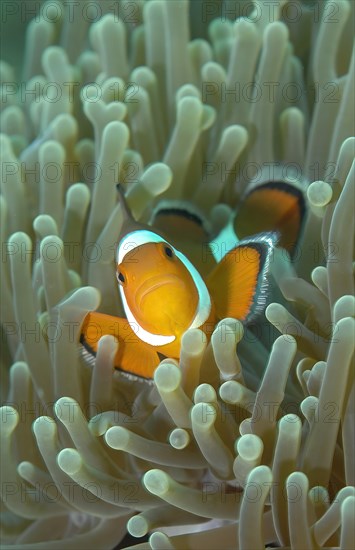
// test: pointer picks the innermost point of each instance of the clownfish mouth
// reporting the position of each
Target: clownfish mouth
(154, 283)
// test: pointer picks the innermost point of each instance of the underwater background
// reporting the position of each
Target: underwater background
(248, 440)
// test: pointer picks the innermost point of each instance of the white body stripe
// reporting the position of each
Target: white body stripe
(204, 300)
(139, 238)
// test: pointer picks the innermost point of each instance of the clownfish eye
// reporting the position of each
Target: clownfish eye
(168, 251)
(120, 277)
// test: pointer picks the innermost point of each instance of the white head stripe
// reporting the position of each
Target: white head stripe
(134, 239)
(204, 300)
(147, 337)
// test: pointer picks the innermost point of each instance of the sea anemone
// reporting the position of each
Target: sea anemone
(248, 440)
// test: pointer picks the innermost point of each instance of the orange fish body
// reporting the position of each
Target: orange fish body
(160, 295)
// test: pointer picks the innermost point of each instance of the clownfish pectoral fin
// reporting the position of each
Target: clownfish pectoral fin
(272, 206)
(239, 283)
(134, 357)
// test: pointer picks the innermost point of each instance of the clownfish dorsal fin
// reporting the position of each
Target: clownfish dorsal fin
(127, 214)
(129, 223)
(132, 233)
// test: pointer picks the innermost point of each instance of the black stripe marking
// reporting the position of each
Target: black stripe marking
(262, 289)
(86, 345)
(280, 186)
(181, 212)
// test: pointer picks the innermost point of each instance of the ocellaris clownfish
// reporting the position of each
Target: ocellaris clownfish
(164, 295)
(273, 206)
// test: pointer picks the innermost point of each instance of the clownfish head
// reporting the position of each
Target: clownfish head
(162, 292)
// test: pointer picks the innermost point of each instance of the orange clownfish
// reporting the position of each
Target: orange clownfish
(274, 205)
(164, 295)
